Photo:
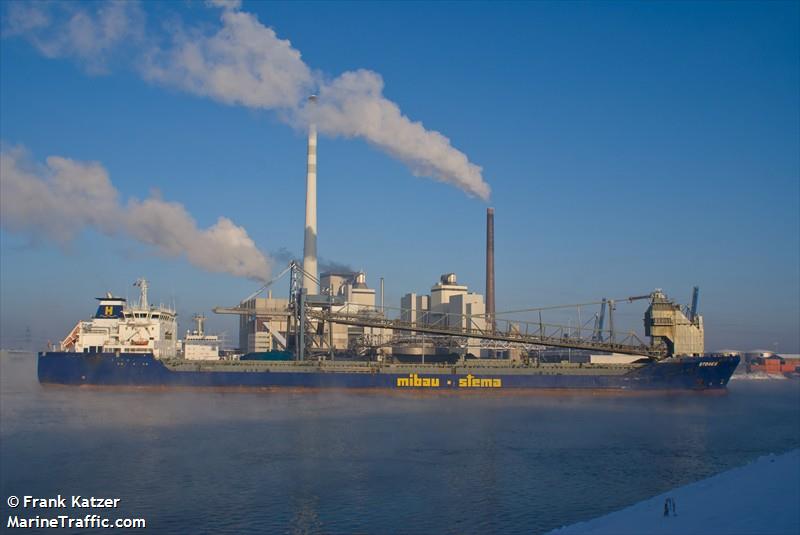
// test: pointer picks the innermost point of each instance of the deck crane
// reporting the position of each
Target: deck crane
(246, 311)
(269, 283)
(599, 322)
(296, 271)
(695, 299)
(506, 330)
(670, 330)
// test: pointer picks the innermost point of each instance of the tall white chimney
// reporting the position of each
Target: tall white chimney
(310, 237)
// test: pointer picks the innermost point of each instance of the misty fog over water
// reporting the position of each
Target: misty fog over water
(374, 462)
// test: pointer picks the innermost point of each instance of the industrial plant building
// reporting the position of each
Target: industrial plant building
(351, 289)
(449, 304)
(265, 322)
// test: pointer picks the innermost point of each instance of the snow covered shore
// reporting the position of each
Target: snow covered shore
(762, 497)
(758, 376)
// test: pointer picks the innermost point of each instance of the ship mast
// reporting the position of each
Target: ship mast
(142, 284)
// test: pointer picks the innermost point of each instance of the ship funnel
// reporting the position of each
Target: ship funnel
(310, 237)
(199, 321)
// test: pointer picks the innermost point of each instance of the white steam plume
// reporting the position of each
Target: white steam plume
(58, 200)
(353, 105)
(245, 63)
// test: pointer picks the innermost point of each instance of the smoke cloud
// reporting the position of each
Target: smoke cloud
(326, 264)
(353, 105)
(284, 256)
(59, 199)
(243, 62)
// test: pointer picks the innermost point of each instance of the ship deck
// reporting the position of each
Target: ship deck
(482, 368)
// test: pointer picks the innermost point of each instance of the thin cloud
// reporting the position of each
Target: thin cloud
(58, 200)
(69, 30)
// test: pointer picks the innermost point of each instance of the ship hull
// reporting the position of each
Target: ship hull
(105, 369)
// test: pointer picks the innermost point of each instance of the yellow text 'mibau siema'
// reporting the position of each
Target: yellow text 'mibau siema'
(470, 381)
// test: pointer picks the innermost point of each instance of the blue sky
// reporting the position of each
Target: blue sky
(628, 146)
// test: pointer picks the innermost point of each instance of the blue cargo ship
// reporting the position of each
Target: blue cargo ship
(135, 369)
(126, 344)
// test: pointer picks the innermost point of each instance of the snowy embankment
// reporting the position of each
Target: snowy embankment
(758, 376)
(762, 497)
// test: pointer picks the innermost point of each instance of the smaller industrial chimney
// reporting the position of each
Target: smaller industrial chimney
(490, 320)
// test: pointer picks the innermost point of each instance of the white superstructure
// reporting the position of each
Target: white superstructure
(119, 327)
(198, 345)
